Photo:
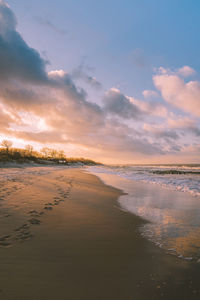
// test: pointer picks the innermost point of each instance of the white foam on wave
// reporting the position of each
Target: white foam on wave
(188, 183)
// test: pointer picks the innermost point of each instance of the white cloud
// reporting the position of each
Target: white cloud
(57, 73)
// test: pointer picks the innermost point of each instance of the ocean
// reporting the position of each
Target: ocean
(184, 178)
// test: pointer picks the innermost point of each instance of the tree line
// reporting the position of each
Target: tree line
(46, 154)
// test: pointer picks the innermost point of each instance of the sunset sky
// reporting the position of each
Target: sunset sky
(116, 81)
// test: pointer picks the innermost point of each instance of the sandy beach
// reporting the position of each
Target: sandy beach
(64, 236)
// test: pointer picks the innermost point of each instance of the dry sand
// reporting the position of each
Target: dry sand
(64, 237)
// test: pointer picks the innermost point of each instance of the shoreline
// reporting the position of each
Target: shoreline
(163, 216)
(88, 248)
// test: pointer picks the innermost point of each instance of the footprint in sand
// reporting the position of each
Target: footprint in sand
(34, 221)
(5, 244)
(34, 213)
(23, 232)
(48, 207)
(56, 202)
(23, 227)
(4, 238)
(4, 241)
(24, 236)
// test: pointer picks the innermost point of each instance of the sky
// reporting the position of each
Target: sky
(115, 81)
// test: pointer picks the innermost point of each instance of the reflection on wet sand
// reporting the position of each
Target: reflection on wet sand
(173, 217)
(177, 231)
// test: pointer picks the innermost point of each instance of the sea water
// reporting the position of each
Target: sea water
(173, 217)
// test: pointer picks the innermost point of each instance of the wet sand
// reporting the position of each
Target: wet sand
(67, 238)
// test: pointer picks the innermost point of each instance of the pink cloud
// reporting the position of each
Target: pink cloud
(181, 94)
(186, 71)
(149, 93)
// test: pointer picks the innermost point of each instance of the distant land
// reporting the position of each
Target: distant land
(45, 156)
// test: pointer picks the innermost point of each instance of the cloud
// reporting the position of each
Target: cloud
(160, 132)
(183, 95)
(184, 124)
(81, 73)
(186, 71)
(181, 122)
(17, 60)
(118, 104)
(150, 108)
(193, 149)
(49, 107)
(149, 93)
(5, 120)
(8, 21)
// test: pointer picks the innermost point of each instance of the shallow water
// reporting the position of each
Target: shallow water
(174, 216)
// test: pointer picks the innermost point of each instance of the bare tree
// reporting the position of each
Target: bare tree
(61, 154)
(54, 153)
(7, 145)
(29, 150)
(46, 152)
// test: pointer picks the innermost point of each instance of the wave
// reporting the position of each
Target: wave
(184, 178)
